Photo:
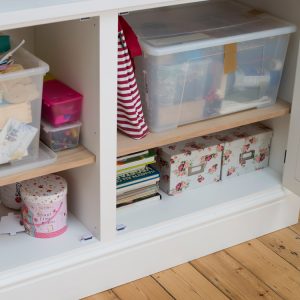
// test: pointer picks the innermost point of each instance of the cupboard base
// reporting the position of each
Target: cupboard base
(101, 266)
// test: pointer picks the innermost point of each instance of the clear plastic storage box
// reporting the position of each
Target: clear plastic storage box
(60, 138)
(61, 104)
(20, 109)
(207, 59)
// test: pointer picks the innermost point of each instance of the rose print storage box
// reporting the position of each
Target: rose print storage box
(189, 164)
(44, 210)
(246, 149)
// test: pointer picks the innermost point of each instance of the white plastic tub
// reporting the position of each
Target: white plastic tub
(207, 59)
(20, 105)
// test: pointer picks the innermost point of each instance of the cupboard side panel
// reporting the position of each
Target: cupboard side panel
(108, 37)
(291, 175)
(72, 51)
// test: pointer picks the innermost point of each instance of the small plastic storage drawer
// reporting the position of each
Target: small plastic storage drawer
(60, 138)
(20, 108)
(207, 59)
(61, 104)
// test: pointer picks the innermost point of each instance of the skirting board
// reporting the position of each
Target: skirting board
(127, 261)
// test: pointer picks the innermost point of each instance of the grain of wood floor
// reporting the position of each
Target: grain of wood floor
(264, 268)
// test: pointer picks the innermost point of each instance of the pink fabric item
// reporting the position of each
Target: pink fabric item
(130, 113)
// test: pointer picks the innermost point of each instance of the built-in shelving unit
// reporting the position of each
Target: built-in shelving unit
(127, 145)
(78, 39)
(66, 160)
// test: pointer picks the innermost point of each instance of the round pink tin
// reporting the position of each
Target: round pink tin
(44, 210)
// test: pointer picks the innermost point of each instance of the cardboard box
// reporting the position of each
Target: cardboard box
(246, 149)
(189, 164)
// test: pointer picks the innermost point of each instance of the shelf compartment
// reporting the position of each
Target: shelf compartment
(22, 249)
(127, 145)
(66, 160)
(208, 201)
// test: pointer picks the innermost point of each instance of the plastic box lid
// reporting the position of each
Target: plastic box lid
(180, 28)
(48, 128)
(56, 92)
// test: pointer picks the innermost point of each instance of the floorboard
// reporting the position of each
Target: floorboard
(185, 282)
(144, 289)
(264, 268)
(286, 243)
(277, 273)
(232, 278)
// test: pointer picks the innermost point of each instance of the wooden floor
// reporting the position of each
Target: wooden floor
(264, 268)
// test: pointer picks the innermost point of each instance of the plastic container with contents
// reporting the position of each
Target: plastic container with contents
(207, 59)
(21, 87)
(61, 104)
(60, 138)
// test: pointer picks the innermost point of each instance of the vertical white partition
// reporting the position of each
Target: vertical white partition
(108, 122)
(72, 50)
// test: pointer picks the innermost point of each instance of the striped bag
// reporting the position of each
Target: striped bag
(130, 113)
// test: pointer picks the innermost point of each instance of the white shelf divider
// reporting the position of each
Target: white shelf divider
(108, 34)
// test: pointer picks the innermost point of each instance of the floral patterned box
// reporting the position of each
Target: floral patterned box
(246, 149)
(189, 164)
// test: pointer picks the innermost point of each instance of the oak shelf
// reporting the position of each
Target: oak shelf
(127, 145)
(67, 159)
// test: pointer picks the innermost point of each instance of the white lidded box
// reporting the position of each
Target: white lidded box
(189, 164)
(44, 210)
(20, 108)
(207, 59)
(246, 149)
(62, 137)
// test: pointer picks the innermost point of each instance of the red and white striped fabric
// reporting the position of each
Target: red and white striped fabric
(130, 114)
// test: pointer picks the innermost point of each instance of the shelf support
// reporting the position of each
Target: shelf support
(108, 33)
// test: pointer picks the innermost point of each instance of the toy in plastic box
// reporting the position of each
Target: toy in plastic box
(20, 108)
(60, 138)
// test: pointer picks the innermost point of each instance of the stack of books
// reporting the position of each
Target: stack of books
(136, 179)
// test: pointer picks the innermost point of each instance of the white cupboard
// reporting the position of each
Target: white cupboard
(78, 39)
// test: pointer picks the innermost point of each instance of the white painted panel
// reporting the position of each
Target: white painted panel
(20, 13)
(108, 122)
(105, 267)
(280, 128)
(72, 51)
(291, 175)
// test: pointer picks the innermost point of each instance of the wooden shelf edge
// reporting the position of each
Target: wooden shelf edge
(66, 160)
(127, 145)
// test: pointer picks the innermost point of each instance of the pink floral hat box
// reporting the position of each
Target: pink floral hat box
(189, 164)
(44, 210)
(246, 149)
